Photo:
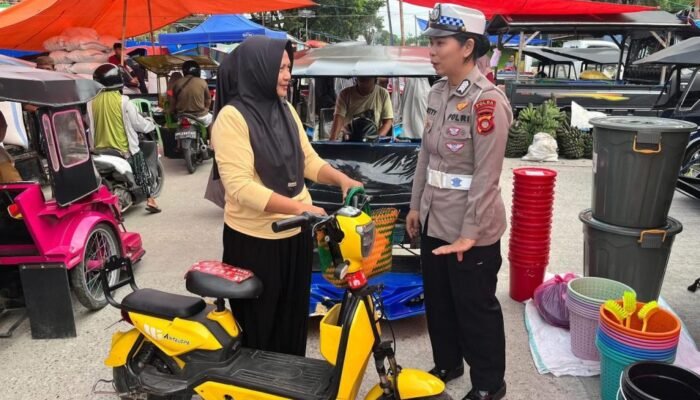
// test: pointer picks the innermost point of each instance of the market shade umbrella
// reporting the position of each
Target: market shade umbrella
(539, 7)
(40, 87)
(352, 59)
(686, 52)
(28, 24)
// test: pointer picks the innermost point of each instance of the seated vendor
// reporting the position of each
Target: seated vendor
(367, 102)
(8, 172)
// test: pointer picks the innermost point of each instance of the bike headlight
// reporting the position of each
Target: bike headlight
(366, 233)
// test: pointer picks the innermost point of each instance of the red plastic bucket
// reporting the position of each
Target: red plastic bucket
(531, 221)
(534, 186)
(533, 197)
(533, 203)
(531, 174)
(522, 261)
(524, 281)
(532, 251)
(518, 230)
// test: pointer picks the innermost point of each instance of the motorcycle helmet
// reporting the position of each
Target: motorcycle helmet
(109, 76)
(191, 68)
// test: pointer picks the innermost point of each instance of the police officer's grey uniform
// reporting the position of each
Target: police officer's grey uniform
(456, 191)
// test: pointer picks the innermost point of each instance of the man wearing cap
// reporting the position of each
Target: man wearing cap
(456, 205)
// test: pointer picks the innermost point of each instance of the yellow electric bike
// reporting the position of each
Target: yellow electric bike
(181, 346)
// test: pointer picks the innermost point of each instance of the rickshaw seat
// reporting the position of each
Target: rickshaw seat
(162, 304)
(219, 280)
(108, 152)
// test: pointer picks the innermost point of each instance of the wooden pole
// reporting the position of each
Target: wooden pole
(124, 32)
(403, 36)
(150, 26)
(391, 31)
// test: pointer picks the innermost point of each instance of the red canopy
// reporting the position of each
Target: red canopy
(28, 24)
(539, 7)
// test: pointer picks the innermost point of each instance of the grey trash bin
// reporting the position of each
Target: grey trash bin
(636, 161)
(635, 257)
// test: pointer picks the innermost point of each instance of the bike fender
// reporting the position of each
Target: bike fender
(77, 235)
(413, 384)
(122, 344)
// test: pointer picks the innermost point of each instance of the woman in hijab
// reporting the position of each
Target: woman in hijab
(262, 157)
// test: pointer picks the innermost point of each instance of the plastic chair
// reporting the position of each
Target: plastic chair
(145, 106)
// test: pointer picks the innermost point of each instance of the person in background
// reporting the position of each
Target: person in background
(414, 107)
(496, 52)
(191, 94)
(510, 65)
(456, 205)
(8, 172)
(130, 80)
(263, 157)
(117, 122)
(365, 100)
(483, 64)
(45, 62)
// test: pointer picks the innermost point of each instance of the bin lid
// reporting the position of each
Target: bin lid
(673, 226)
(633, 123)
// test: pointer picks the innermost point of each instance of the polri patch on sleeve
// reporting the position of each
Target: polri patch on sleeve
(484, 116)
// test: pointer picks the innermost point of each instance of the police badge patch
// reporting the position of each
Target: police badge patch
(484, 116)
(454, 147)
(454, 131)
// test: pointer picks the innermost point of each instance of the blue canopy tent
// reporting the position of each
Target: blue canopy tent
(227, 28)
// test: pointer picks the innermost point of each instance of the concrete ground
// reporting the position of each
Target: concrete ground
(189, 229)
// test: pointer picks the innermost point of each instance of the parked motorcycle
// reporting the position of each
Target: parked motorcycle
(193, 139)
(118, 176)
(181, 346)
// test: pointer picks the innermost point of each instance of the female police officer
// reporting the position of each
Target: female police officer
(456, 205)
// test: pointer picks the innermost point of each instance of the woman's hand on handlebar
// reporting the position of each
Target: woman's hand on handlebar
(347, 184)
(309, 208)
(413, 224)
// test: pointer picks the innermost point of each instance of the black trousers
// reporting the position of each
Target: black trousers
(464, 316)
(278, 320)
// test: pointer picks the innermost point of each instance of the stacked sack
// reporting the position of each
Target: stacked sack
(79, 50)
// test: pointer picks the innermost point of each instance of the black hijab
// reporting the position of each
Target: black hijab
(247, 80)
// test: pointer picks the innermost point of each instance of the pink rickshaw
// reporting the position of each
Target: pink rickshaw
(60, 224)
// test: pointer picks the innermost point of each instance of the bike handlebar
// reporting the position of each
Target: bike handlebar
(299, 221)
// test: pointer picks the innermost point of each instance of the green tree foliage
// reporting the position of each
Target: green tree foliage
(334, 20)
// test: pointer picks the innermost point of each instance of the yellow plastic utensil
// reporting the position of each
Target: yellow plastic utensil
(646, 312)
(629, 303)
(617, 311)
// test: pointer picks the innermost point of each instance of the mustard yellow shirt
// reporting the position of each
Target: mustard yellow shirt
(246, 195)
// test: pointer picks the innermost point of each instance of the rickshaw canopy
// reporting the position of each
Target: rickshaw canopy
(686, 52)
(164, 64)
(352, 59)
(45, 88)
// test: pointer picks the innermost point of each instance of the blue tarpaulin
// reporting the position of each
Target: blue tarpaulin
(225, 28)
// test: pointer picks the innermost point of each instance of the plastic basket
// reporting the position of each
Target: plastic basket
(583, 336)
(597, 290)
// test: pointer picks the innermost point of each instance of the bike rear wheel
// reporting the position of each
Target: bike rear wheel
(189, 154)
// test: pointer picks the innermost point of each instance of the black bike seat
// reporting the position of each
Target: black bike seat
(161, 304)
(222, 281)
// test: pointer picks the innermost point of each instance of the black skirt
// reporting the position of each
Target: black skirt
(278, 320)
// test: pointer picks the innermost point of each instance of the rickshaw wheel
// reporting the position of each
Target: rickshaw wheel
(189, 155)
(101, 244)
(159, 181)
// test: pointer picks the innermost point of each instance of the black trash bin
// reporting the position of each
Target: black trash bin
(635, 257)
(636, 161)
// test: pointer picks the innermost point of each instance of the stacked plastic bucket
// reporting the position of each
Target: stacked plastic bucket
(584, 298)
(531, 227)
(620, 346)
(648, 380)
(628, 234)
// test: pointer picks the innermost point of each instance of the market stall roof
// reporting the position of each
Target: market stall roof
(5, 60)
(25, 84)
(229, 28)
(541, 55)
(164, 64)
(28, 24)
(608, 24)
(686, 52)
(539, 7)
(352, 59)
(590, 55)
